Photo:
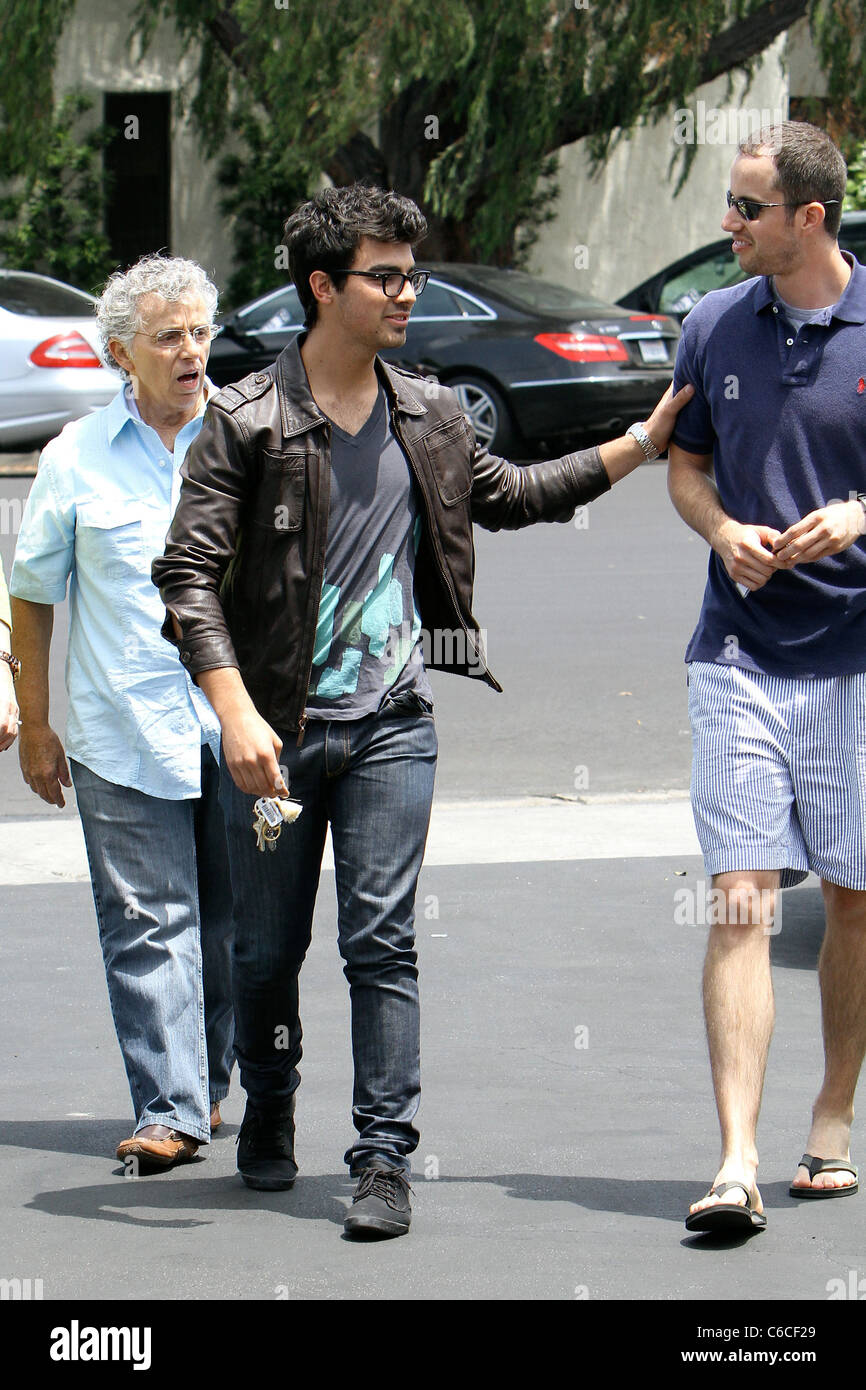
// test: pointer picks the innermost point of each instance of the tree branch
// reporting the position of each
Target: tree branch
(733, 47)
(357, 159)
(750, 36)
(228, 35)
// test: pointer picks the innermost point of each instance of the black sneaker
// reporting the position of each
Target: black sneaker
(380, 1206)
(266, 1148)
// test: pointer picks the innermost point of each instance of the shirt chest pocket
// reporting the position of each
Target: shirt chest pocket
(279, 501)
(115, 538)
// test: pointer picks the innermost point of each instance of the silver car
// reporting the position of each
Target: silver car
(50, 365)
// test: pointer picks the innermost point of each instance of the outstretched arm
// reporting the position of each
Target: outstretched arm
(506, 495)
(622, 456)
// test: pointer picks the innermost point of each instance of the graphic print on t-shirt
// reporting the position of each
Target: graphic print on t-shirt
(368, 625)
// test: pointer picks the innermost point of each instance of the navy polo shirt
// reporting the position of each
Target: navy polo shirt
(783, 414)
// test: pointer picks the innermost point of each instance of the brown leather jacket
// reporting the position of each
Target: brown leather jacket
(243, 565)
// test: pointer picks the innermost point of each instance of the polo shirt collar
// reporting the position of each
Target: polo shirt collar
(850, 308)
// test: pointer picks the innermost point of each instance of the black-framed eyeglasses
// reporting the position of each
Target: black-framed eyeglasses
(173, 337)
(750, 210)
(393, 281)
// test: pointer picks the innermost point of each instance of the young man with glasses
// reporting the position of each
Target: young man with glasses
(325, 525)
(777, 664)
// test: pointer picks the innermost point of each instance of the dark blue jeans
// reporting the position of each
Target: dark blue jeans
(372, 780)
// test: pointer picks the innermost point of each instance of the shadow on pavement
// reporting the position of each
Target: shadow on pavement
(797, 944)
(178, 1187)
(666, 1199)
(179, 1190)
(84, 1137)
(324, 1198)
(87, 1138)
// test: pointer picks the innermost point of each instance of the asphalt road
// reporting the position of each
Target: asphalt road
(567, 1116)
(586, 629)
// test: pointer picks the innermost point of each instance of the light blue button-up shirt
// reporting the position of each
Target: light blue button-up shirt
(97, 515)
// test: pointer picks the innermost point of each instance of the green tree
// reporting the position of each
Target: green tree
(855, 194)
(51, 219)
(462, 104)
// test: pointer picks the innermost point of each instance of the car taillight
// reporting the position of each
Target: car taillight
(659, 321)
(583, 347)
(64, 350)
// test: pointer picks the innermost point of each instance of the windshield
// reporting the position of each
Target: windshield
(528, 292)
(38, 297)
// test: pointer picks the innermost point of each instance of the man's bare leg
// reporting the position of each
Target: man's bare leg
(739, 1012)
(842, 976)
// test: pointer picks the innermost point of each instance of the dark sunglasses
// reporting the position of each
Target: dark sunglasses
(751, 211)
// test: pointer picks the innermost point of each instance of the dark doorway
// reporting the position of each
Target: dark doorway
(138, 163)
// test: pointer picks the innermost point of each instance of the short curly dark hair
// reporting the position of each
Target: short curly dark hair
(324, 233)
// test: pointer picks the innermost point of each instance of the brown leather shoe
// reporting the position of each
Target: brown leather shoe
(156, 1146)
(216, 1118)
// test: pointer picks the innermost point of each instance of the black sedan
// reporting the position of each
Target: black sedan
(538, 368)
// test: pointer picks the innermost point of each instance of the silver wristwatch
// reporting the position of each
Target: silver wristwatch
(638, 432)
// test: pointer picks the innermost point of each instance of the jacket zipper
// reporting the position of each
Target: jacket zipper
(302, 720)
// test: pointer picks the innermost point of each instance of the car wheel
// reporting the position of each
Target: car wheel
(486, 412)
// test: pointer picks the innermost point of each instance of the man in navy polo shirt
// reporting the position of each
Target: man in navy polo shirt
(768, 464)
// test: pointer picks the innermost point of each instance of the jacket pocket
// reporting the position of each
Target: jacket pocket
(448, 452)
(279, 502)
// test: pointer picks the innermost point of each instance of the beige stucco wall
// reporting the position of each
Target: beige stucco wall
(805, 77)
(626, 217)
(94, 53)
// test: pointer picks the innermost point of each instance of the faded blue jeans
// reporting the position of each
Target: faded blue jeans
(372, 780)
(162, 894)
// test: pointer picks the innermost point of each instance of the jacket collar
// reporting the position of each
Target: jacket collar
(298, 410)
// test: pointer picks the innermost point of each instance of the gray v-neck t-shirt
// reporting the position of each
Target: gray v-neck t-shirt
(368, 636)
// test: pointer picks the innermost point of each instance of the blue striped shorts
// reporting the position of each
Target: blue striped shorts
(779, 773)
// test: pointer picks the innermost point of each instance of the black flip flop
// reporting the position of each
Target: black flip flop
(826, 1165)
(727, 1217)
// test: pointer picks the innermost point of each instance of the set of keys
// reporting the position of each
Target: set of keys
(271, 814)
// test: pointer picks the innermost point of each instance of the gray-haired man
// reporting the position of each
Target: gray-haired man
(142, 742)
